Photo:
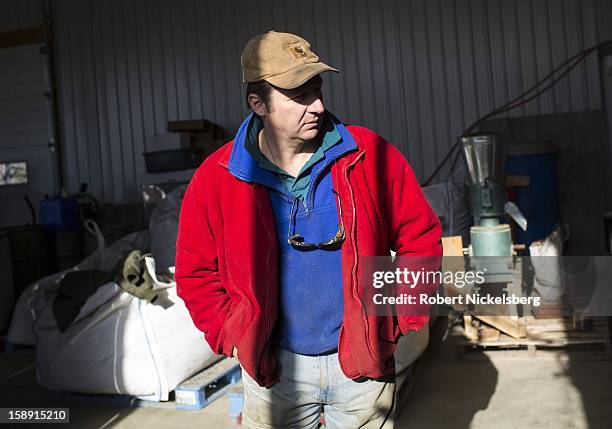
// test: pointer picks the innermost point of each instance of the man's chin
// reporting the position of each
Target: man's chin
(310, 134)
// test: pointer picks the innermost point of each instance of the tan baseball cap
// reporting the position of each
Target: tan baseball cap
(282, 59)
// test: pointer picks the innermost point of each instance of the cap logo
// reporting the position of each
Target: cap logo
(297, 52)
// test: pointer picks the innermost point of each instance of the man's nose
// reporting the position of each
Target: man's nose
(317, 106)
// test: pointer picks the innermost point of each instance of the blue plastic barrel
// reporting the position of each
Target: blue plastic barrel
(60, 214)
(539, 201)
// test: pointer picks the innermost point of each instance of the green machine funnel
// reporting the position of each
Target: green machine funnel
(485, 157)
(491, 251)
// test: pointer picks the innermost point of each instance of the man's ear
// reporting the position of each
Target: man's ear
(257, 105)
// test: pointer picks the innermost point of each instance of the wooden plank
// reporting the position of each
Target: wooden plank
(513, 327)
(471, 331)
(453, 261)
(31, 36)
(512, 180)
(486, 333)
(452, 246)
(565, 324)
(545, 333)
(531, 348)
(566, 336)
(514, 342)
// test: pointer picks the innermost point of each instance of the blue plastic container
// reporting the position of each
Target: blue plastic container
(539, 201)
(60, 214)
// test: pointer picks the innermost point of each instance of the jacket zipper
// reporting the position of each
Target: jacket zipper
(264, 343)
(356, 258)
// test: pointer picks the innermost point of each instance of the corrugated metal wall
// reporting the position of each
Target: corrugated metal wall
(18, 15)
(24, 131)
(416, 71)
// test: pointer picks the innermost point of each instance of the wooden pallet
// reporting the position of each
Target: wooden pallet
(542, 334)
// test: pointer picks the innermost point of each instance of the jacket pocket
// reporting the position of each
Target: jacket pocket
(233, 328)
(388, 330)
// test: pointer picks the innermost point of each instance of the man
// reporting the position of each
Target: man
(272, 229)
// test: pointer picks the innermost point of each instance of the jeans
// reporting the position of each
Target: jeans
(311, 384)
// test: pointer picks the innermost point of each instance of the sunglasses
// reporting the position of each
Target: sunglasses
(298, 242)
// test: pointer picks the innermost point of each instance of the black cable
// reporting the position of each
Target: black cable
(501, 109)
(521, 100)
(31, 207)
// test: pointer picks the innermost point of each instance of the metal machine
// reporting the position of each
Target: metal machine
(491, 250)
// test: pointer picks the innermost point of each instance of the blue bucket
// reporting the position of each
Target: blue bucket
(60, 214)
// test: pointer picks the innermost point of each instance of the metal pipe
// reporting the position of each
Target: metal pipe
(51, 96)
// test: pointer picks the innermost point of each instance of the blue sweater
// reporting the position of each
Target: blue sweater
(311, 302)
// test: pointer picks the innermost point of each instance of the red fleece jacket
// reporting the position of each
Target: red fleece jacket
(227, 258)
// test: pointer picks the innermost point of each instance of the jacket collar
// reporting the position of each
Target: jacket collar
(241, 164)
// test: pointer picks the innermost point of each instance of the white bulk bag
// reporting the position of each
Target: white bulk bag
(34, 298)
(120, 344)
(163, 228)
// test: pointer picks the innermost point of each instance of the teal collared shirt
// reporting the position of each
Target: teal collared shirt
(298, 186)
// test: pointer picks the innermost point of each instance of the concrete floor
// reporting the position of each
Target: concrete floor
(486, 390)
(504, 390)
